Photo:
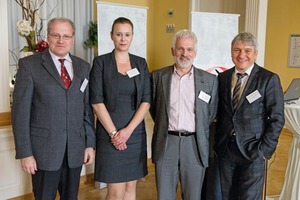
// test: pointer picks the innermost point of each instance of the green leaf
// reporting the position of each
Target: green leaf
(92, 41)
(25, 49)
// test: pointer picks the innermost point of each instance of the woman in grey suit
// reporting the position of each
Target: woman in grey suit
(120, 96)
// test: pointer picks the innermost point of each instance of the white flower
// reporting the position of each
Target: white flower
(24, 27)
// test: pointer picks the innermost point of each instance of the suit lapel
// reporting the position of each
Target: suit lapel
(50, 67)
(199, 83)
(77, 70)
(199, 86)
(137, 79)
(166, 84)
(249, 85)
(228, 85)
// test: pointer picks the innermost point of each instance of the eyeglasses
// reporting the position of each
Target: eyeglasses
(64, 37)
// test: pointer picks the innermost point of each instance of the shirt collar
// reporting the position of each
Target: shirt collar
(55, 57)
(190, 74)
(248, 71)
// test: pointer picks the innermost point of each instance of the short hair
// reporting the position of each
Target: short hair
(121, 20)
(61, 19)
(186, 34)
(246, 38)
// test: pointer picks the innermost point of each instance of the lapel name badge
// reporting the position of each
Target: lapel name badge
(83, 85)
(204, 97)
(253, 96)
(133, 72)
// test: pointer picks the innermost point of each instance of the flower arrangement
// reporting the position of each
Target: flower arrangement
(30, 28)
(27, 27)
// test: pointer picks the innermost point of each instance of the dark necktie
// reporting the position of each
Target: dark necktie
(64, 74)
(237, 90)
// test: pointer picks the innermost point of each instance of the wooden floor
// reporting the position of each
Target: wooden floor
(146, 188)
(278, 163)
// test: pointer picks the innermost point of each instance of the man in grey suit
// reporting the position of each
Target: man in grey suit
(249, 121)
(53, 121)
(183, 107)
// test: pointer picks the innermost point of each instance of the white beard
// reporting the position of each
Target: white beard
(183, 65)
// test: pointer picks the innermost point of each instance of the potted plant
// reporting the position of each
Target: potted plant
(92, 41)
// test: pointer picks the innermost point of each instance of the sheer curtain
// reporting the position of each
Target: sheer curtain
(79, 11)
(4, 78)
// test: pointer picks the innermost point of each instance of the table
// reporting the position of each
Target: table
(291, 185)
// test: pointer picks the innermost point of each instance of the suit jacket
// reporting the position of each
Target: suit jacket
(205, 112)
(257, 124)
(47, 119)
(104, 86)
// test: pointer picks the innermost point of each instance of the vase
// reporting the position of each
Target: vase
(11, 91)
(27, 53)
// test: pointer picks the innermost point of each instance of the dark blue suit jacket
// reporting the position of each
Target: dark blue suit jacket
(258, 124)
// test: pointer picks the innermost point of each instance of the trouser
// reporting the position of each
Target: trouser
(66, 180)
(241, 179)
(180, 161)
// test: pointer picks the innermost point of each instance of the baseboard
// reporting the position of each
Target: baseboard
(273, 197)
(100, 185)
(5, 119)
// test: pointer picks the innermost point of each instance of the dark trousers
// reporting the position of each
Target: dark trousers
(241, 179)
(211, 189)
(65, 180)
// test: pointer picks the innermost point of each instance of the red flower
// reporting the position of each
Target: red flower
(41, 46)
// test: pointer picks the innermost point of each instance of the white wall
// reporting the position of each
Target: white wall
(13, 182)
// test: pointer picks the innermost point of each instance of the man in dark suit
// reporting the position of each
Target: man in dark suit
(53, 121)
(249, 121)
(183, 107)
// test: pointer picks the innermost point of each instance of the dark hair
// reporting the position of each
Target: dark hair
(246, 38)
(121, 20)
(61, 19)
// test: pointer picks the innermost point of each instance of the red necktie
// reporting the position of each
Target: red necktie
(64, 74)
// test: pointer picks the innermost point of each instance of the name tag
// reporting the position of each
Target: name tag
(132, 73)
(205, 97)
(83, 85)
(253, 96)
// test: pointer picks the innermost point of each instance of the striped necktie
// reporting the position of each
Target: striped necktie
(237, 90)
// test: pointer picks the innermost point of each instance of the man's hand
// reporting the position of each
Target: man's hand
(28, 165)
(89, 155)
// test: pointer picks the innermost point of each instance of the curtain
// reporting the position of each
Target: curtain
(79, 11)
(4, 75)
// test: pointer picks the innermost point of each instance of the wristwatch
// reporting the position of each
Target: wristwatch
(111, 134)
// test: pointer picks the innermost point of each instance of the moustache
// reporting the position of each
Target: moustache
(184, 57)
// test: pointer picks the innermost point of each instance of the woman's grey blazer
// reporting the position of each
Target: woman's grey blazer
(104, 87)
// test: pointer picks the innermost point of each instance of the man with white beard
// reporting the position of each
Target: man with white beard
(184, 105)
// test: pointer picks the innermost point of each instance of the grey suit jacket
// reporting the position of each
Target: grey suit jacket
(104, 87)
(257, 124)
(205, 112)
(47, 119)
